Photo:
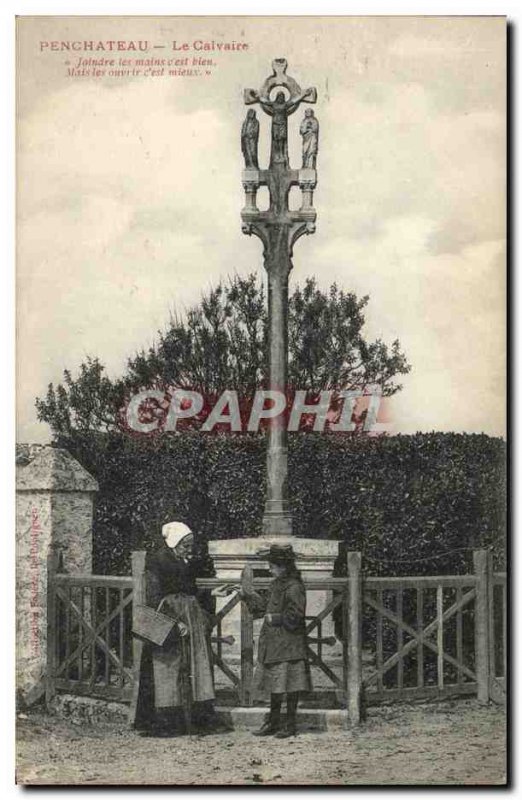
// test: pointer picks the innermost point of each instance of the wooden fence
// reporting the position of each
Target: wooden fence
(420, 637)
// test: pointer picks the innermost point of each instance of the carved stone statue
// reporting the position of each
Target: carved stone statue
(309, 130)
(249, 139)
(280, 108)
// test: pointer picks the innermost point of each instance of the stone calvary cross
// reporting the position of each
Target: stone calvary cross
(278, 228)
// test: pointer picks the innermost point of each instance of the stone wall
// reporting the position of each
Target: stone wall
(54, 505)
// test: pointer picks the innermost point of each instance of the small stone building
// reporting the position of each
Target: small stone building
(54, 510)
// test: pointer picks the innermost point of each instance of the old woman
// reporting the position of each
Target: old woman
(183, 664)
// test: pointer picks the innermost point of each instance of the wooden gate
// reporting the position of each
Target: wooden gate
(436, 636)
(421, 628)
(89, 635)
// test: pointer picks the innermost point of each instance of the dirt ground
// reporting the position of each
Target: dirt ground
(451, 743)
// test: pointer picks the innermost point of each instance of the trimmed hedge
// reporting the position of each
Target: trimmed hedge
(412, 504)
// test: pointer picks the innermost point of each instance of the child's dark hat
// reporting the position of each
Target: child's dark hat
(281, 554)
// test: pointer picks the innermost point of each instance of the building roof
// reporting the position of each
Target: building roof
(46, 468)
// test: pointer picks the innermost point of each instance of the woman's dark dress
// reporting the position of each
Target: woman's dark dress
(171, 582)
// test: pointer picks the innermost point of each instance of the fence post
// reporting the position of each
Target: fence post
(246, 640)
(53, 561)
(138, 598)
(354, 637)
(247, 654)
(482, 567)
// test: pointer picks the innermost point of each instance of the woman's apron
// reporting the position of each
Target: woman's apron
(168, 663)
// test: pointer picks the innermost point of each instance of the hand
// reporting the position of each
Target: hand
(268, 619)
(247, 580)
(231, 588)
(224, 591)
(183, 629)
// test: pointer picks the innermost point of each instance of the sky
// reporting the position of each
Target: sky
(129, 194)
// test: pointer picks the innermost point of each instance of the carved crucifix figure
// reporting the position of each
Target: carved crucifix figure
(280, 109)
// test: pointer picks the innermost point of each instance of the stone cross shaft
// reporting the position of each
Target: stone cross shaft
(278, 228)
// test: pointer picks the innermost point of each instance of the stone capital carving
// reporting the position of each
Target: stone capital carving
(307, 178)
(250, 179)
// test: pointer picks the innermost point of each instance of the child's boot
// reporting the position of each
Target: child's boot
(272, 722)
(290, 726)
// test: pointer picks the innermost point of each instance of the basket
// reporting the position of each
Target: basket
(152, 625)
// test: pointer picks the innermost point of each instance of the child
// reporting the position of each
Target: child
(282, 666)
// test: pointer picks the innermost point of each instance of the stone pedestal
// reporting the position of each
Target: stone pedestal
(54, 505)
(307, 184)
(315, 559)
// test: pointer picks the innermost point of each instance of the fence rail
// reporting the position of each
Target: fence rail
(421, 636)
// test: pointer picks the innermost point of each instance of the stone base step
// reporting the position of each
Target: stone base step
(88, 710)
(91, 711)
(227, 697)
(307, 718)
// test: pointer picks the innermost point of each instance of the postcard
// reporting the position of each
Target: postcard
(261, 393)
